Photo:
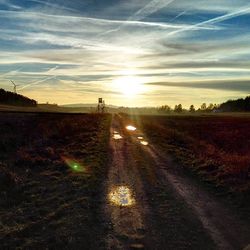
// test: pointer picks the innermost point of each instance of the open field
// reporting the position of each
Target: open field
(216, 147)
(213, 149)
(50, 171)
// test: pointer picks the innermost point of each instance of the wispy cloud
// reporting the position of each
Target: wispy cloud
(10, 5)
(47, 48)
(150, 8)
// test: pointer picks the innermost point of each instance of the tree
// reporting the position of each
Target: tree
(165, 109)
(210, 107)
(239, 105)
(178, 108)
(192, 108)
(203, 106)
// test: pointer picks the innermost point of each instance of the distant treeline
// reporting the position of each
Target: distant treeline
(240, 105)
(179, 109)
(10, 98)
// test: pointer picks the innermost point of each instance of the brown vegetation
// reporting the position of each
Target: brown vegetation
(51, 172)
(216, 147)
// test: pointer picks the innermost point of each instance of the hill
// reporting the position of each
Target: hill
(10, 98)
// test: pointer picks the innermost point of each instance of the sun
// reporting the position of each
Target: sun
(129, 86)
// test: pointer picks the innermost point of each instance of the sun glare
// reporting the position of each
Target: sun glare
(130, 128)
(121, 196)
(129, 86)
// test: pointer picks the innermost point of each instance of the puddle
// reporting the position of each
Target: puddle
(117, 137)
(145, 143)
(121, 196)
(130, 128)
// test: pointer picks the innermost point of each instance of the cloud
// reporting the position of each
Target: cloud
(228, 85)
(48, 48)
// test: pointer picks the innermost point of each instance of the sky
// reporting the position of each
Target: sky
(129, 52)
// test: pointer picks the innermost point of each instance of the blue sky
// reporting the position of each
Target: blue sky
(131, 53)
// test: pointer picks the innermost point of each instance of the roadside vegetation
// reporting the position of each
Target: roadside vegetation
(52, 168)
(217, 148)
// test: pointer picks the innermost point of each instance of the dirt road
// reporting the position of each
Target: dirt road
(151, 204)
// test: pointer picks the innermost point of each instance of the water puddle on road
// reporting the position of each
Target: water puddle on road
(145, 143)
(117, 136)
(130, 128)
(121, 196)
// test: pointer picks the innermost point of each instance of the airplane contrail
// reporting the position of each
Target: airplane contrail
(149, 9)
(11, 72)
(37, 82)
(213, 20)
(180, 14)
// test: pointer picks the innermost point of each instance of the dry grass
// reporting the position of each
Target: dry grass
(47, 202)
(216, 147)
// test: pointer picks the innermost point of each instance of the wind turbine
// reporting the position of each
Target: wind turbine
(14, 86)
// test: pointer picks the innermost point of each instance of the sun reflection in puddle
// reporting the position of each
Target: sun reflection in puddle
(117, 136)
(140, 137)
(130, 128)
(121, 196)
(145, 143)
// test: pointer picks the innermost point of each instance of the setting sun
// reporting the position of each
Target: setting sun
(129, 86)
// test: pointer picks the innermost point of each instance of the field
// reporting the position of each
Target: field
(101, 181)
(215, 147)
(50, 171)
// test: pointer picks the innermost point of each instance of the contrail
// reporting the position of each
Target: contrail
(213, 20)
(179, 15)
(56, 6)
(37, 82)
(149, 9)
(11, 72)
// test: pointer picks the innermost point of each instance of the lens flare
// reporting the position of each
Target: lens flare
(74, 165)
(130, 128)
(121, 196)
(145, 143)
(140, 137)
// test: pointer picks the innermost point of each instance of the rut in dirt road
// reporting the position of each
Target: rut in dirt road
(125, 206)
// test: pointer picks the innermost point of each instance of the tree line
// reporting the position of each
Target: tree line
(179, 109)
(239, 105)
(11, 98)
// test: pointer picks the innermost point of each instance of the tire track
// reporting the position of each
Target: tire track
(227, 232)
(125, 206)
